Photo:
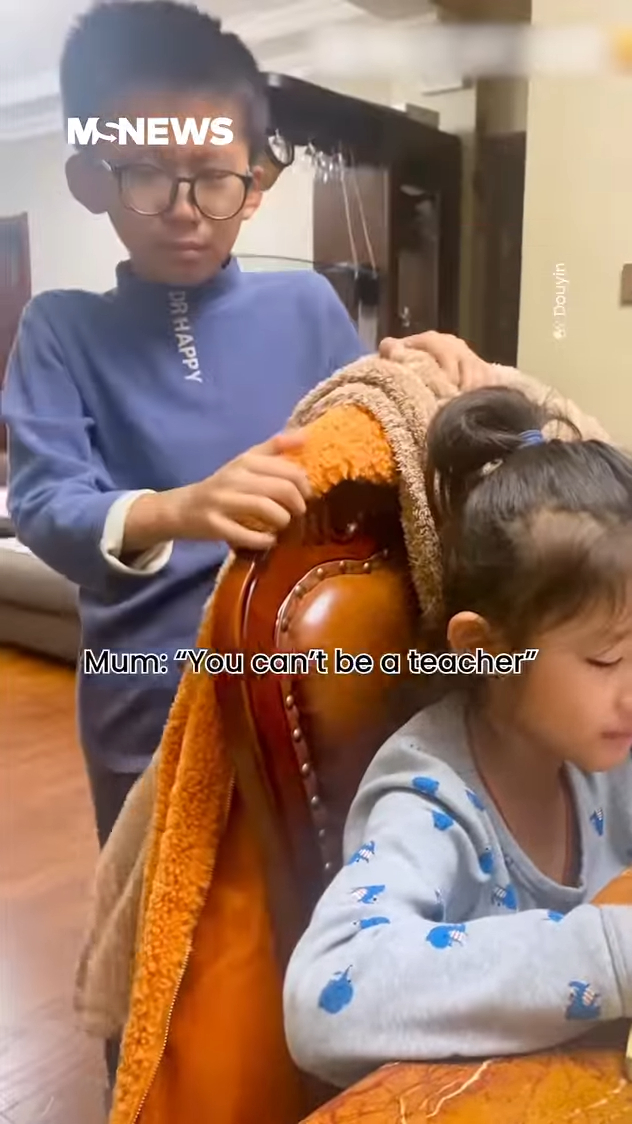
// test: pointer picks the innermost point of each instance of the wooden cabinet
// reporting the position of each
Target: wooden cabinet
(387, 222)
(397, 210)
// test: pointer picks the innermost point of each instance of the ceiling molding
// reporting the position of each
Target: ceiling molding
(41, 114)
(298, 16)
(23, 91)
(485, 11)
(36, 118)
(259, 30)
(285, 38)
(394, 9)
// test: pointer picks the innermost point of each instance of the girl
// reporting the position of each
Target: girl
(461, 924)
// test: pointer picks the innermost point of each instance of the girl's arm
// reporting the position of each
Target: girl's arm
(388, 971)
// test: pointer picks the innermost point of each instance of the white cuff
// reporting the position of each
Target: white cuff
(150, 561)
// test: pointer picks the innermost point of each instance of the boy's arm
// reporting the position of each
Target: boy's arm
(387, 973)
(67, 509)
(114, 540)
(63, 503)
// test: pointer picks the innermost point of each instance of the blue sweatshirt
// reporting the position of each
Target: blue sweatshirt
(440, 938)
(150, 388)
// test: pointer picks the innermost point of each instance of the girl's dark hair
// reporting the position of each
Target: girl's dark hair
(531, 533)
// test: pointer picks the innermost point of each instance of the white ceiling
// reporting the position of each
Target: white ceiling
(33, 33)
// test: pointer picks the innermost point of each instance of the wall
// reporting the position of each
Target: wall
(502, 105)
(577, 230)
(71, 248)
(457, 114)
(456, 108)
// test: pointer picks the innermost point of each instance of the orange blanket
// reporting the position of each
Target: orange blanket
(204, 1039)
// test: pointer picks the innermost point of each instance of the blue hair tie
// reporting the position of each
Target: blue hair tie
(531, 437)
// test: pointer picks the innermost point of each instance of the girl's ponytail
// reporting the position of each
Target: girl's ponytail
(543, 536)
(468, 436)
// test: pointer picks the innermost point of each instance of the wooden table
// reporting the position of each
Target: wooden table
(584, 1083)
(586, 1086)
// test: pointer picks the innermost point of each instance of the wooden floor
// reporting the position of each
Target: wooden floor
(50, 1073)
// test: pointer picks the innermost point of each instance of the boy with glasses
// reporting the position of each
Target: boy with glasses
(140, 420)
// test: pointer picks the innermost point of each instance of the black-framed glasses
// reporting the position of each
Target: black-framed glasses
(148, 189)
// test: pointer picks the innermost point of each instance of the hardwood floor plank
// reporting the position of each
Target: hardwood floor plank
(49, 1071)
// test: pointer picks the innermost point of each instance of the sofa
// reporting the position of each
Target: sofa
(38, 607)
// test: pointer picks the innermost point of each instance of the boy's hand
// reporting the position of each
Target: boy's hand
(245, 504)
(248, 501)
(462, 365)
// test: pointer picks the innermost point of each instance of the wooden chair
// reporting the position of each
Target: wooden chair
(301, 743)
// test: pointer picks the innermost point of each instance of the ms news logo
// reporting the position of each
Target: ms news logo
(150, 131)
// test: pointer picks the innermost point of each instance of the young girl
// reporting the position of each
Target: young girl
(461, 924)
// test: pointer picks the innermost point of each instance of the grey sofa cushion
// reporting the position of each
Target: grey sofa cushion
(29, 583)
(48, 634)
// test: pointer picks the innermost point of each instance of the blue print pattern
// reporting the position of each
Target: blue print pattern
(337, 994)
(371, 922)
(367, 895)
(553, 915)
(363, 854)
(442, 821)
(597, 820)
(426, 785)
(486, 861)
(445, 936)
(584, 1002)
(475, 799)
(505, 896)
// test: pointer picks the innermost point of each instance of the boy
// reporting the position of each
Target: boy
(164, 382)
(136, 418)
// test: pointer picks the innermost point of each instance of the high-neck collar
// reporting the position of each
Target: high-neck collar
(128, 283)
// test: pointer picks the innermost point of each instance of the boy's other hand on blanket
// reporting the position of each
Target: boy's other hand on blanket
(251, 499)
(246, 503)
(462, 365)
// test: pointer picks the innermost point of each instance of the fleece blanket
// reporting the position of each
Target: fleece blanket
(366, 422)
